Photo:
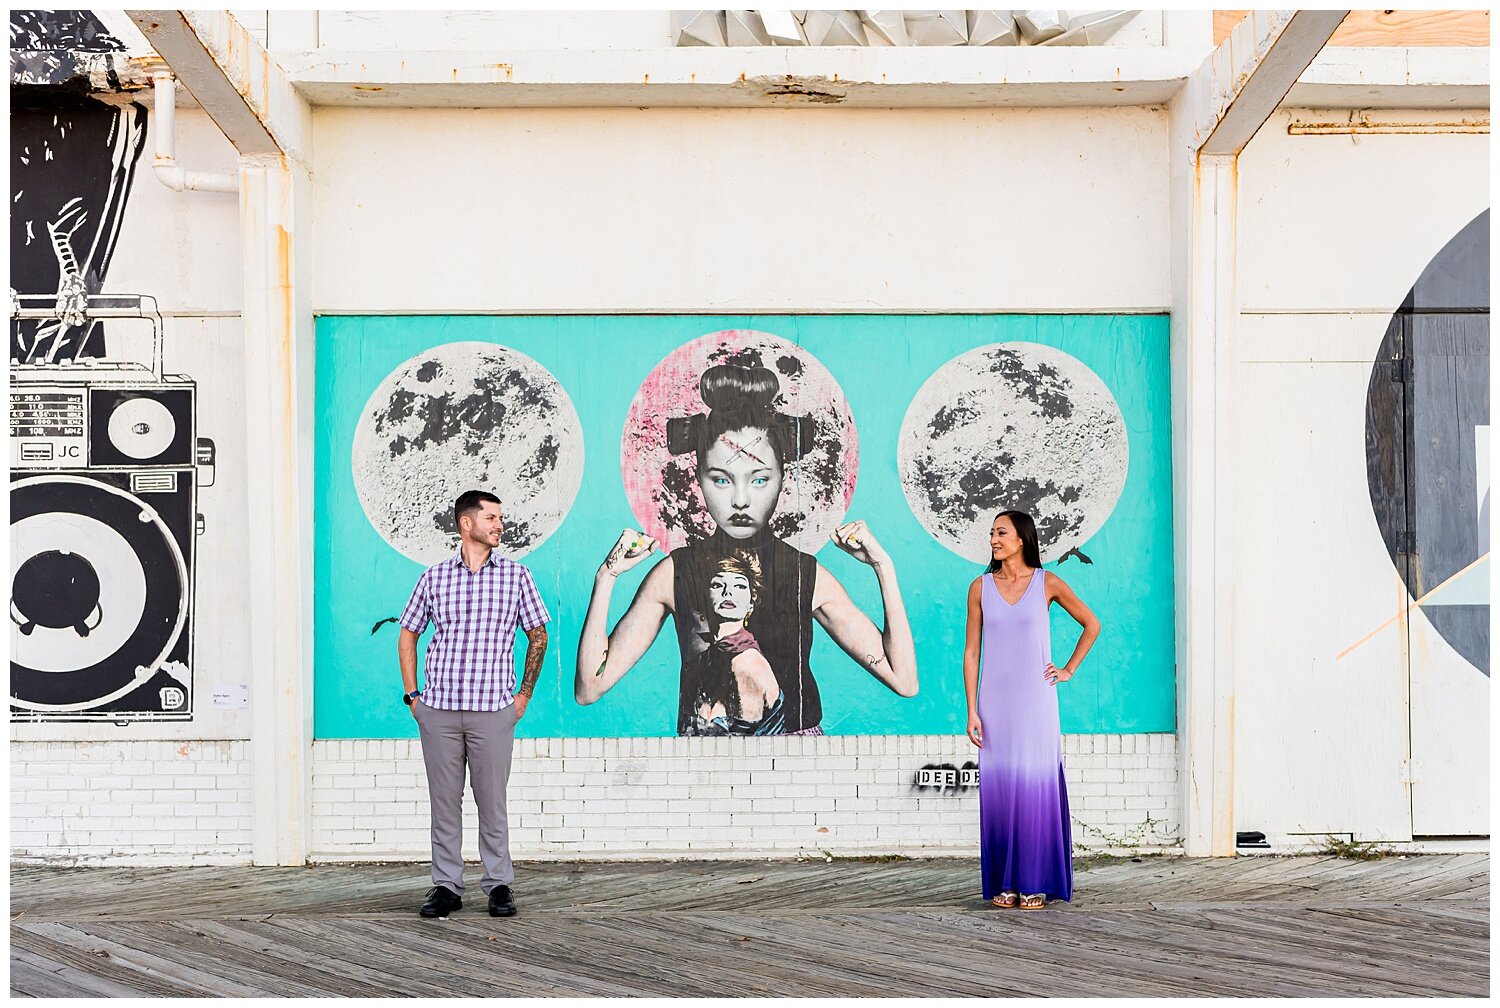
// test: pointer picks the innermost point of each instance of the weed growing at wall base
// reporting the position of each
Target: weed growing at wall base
(1355, 850)
(1151, 832)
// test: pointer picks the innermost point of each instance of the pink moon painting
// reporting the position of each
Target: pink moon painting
(663, 490)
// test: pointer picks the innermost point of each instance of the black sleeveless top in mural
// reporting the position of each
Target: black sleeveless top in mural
(781, 621)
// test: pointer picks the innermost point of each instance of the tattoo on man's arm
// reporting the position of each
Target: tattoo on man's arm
(874, 660)
(536, 649)
(600, 670)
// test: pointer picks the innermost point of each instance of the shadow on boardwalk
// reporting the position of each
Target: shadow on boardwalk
(1170, 926)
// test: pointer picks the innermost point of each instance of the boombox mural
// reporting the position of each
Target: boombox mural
(805, 499)
(105, 458)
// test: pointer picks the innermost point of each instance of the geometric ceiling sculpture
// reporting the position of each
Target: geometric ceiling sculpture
(937, 28)
(744, 28)
(896, 28)
(698, 28)
(991, 27)
(832, 28)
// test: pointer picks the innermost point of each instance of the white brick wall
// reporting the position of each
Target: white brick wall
(143, 802)
(159, 802)
(667, 797)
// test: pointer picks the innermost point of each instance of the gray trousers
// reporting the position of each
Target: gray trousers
(482, 740)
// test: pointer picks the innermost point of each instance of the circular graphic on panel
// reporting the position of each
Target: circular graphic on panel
(1013, 426)
(142, 428)
(816, 487)
(467, 416)
(98, 592)
(1427, 417)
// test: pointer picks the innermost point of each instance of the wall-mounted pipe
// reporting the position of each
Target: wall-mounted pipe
(171, 174)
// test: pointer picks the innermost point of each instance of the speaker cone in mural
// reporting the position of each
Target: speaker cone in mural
(466, 416)
(1427, 420)
(1019, 426)
(740, 456)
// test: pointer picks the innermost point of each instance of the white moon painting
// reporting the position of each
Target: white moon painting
(467, 416)
(1013, 426)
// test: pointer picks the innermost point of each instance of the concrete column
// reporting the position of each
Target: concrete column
(1203, 375)
(1219, 109)
(278, 583)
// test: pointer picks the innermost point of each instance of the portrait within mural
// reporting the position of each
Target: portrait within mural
(772, 457)
(737, 690)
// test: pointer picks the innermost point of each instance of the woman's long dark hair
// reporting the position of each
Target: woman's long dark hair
(1026, 529)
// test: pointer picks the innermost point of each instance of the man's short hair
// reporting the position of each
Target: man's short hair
(470, 501)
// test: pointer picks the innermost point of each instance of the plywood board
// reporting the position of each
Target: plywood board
(1392, 28)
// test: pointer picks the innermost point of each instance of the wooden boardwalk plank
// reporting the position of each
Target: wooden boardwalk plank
(1266, 926)
(1037, 948)
(84, 970)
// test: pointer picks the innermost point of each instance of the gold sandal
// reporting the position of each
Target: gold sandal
(1006, 899)
(1035, 901)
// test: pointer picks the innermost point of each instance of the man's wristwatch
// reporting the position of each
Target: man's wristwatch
(407, 698)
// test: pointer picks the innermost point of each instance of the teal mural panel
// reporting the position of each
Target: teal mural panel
(889, 371)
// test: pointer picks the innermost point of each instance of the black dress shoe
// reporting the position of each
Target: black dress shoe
(440, 902)
(501, 904)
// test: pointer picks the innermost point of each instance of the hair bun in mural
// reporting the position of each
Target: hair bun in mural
(765, 382)
(1019, 426)
(467, 416)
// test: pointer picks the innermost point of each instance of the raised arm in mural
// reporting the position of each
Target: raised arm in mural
(743, 600)
(604, 657)
(888, 654)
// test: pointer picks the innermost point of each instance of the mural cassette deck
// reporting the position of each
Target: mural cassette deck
(111, 415)
(105, 471)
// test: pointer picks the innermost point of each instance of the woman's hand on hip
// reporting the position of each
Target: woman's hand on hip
(976, 731)
(1055, 675)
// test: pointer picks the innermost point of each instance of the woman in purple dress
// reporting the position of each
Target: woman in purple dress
(1025, 835)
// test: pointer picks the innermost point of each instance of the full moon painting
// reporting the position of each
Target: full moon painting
(1013, 426)
(663, 490)
(467, 416)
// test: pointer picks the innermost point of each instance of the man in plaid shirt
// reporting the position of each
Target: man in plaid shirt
(468, 711)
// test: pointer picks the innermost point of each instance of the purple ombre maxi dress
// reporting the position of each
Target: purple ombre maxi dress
(1025, 835)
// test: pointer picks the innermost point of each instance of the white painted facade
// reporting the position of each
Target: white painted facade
(525, 217)
(1339, 228)
(657, 209)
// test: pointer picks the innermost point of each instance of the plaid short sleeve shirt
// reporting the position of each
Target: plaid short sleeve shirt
(471, 660)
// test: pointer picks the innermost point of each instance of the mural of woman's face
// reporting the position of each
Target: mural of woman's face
(729, 594)
(740, 479)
